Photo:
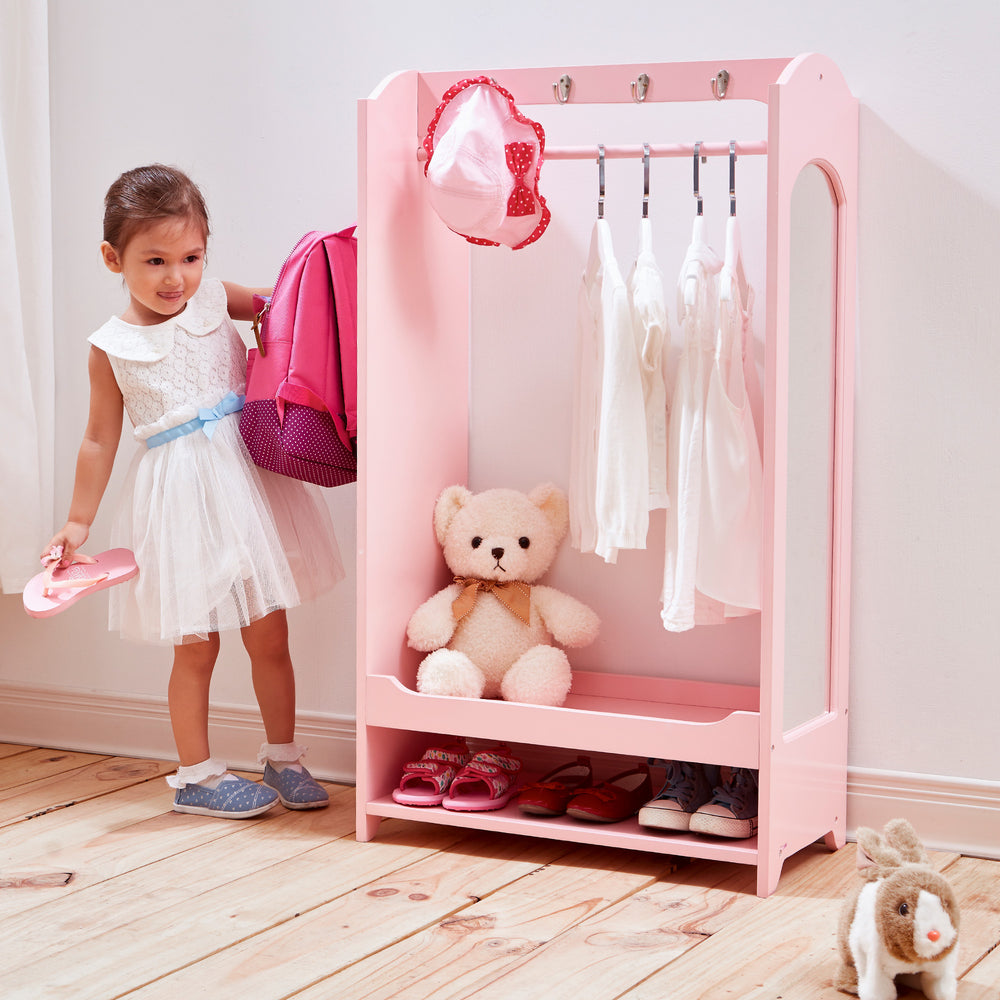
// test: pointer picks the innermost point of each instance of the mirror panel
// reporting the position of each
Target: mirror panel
(811, 417)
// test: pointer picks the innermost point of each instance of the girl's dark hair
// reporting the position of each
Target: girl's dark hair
(148, 194)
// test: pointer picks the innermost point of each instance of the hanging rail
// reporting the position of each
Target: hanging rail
(753, 148)
(756, 147)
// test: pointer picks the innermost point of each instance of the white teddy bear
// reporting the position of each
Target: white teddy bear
(489, 633)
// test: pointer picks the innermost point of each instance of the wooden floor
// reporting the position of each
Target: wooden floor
(107, 893)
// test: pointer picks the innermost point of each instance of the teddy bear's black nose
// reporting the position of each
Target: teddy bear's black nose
(497, 554)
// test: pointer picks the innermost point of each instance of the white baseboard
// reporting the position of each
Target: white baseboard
(139, 726)
(949, 814)
(952, 814)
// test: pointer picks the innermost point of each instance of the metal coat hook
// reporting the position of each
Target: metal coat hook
(562, 88)
(640, 85)
(720, 84)
(645, 180)
(600, 171)
(732, 176)
(697, 190)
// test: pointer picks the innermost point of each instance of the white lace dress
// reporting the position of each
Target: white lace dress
(219, 542)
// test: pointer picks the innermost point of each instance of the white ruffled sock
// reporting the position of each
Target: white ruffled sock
(282, 755)
(209, 773)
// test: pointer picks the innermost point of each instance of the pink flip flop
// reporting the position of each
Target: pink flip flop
(54, 589)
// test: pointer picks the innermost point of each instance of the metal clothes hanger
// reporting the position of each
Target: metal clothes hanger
(732, 176)
(645, 180)
(697, 191)
(698, 230)
(733, 261)
(600, 167)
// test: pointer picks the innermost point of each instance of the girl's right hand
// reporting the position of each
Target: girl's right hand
(71, 537)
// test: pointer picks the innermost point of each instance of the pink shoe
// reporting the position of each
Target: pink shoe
(54, 589)
(487, 782)
(425, 782)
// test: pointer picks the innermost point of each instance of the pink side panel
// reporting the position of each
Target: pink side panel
(812, 119)
(413, 334)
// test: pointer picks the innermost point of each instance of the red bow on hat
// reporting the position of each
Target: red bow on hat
(521, 200)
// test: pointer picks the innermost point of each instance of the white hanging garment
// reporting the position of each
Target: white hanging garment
(697, 308)
(609, 461)
(649, 318)
(729, 543)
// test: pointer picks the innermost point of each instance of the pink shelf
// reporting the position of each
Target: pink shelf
(644, 722)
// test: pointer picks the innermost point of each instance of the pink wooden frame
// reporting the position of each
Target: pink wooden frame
(414, 439)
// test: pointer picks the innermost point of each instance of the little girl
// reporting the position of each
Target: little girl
(220, 543)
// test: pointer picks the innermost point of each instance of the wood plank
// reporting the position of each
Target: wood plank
(102, 838)
(622, 945)
(58, 791)
(284, 894)
(981, 982)
(9, 749)
(365, 918)
(460, 955)
(240, 849)
(22, 768)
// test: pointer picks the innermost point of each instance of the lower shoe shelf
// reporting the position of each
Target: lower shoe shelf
(626, 834)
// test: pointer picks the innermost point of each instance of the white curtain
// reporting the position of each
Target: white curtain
(27, 381)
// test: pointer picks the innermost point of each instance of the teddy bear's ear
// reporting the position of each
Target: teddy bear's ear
(552, 502)
(451, 501)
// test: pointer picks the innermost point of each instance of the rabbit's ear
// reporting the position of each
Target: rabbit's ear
(874, 852)
(901, 835)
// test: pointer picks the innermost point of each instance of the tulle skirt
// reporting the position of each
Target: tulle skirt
(219, 542)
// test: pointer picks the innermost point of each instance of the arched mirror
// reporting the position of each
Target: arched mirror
(811, 418)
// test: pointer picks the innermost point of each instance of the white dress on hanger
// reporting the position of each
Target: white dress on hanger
(609, 461)
(649, 318)
(697, 308)
(729, 544)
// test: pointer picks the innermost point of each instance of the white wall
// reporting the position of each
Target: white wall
(258, 101)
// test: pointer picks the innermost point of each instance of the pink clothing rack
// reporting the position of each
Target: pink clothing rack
(415, 400)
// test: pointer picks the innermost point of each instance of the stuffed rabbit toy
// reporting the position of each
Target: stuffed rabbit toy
(903, 918)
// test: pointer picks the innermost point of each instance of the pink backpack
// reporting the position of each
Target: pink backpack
(301, 414)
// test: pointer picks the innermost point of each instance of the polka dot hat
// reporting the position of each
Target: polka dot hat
(483, 162)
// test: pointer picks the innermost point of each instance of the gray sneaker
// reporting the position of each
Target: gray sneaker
(733, 809)
(686, 787)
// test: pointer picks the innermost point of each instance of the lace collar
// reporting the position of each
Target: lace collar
(204, 313)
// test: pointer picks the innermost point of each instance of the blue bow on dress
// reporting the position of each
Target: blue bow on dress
(230, 403)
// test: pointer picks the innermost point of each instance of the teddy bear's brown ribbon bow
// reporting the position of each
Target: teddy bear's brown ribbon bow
(512, 594)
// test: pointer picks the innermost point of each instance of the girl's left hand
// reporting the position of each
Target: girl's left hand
(70, 538)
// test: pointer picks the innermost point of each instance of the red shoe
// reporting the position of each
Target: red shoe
(550, 795)
(615, 799)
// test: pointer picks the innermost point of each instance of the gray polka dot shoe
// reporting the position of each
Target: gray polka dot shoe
(233, 798)
(296, 789)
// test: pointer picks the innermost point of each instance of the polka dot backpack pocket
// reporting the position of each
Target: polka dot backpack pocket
(300, 416)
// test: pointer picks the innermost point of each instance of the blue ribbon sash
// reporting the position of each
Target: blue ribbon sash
(206, 421)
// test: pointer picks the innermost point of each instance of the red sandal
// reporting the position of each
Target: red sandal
(425, 782)
(615, 799)
(488, 781)
(550, 795)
